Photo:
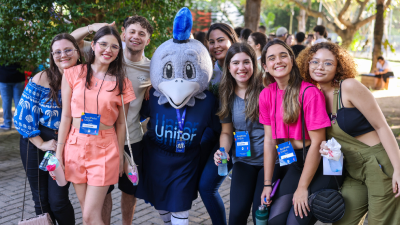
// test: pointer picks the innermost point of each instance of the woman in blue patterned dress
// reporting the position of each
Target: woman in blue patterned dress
(37, 119)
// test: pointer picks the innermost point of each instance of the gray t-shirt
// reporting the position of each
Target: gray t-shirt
(255, 129)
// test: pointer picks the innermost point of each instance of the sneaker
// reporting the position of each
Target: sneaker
(4, 127)
(230, 175)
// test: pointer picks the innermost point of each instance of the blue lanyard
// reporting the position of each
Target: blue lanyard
(181, 122)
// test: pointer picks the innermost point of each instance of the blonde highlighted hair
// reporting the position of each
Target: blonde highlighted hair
(291, 103)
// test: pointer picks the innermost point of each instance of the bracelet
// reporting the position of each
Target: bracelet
(267, 185)
(89, 30)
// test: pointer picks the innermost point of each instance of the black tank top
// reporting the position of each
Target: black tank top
(351, 120)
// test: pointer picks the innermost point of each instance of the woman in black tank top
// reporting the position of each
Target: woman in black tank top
(372, 155)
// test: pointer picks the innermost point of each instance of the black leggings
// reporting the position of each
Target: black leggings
(282, 211)
(246, 189)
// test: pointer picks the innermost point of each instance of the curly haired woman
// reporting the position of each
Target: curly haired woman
(372, 156)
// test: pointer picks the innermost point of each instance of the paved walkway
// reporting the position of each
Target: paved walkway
(12, 179)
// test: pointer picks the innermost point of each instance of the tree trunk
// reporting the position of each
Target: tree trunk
(378, 32)
(347, 38)
(302, 21)
(252, 14)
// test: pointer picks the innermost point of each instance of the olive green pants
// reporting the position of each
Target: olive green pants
(368, 188)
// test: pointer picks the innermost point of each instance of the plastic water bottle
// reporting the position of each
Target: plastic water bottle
(262, 215)
(55, 169)
(336, 166)
(223, 166)
(45, 160)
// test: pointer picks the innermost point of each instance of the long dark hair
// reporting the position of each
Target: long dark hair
(291, 104)
(259, 38)
(115, 68)
(228, 84)
(226, 29)
(54, 75)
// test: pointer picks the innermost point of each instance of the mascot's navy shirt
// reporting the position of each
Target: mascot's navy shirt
(170, 179)
(162, 128)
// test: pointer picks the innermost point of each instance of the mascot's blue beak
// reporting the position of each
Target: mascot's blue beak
(178, 91)
(183, 23)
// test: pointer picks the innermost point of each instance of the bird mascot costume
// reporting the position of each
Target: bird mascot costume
(180, 109)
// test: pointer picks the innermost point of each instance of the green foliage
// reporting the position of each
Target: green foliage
(356, 43)
(28, 26)
(269, 20)
(387, 45)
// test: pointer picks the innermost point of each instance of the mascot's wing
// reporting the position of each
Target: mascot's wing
(161, 98)
(201, 95)
(191, 102)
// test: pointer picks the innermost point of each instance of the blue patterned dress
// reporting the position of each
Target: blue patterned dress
(33, 110)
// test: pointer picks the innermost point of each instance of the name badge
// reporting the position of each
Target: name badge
(286, 154)
(90, 124)
(180, 146)
(242, 142)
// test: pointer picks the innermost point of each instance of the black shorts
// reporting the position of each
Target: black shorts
(385, 76)
(124, 184)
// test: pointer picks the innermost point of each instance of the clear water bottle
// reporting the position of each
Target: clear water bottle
(223, 166)
(45, 160)
(336, 166)
(262, 215)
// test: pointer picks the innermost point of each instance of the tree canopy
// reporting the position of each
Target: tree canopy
(27, 27)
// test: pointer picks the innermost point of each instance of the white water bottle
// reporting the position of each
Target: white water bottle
(54, 168)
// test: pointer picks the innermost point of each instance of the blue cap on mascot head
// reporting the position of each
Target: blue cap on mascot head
(183, 23)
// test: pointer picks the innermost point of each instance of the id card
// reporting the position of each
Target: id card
(90, 124)
(242, 142)
(286, 154)
(180, 146)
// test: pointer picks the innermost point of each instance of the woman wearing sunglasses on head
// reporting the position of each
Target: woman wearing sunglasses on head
(37, 119)
(371, 153)
(92, 130)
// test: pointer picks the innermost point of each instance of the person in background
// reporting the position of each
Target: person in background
(271, 37)
(372, 154)
(310, 40)
(201, 36)
(257, 41)
(137, 34)
(262, 29)
(281, 33)
(298, 47)
(238, 30)
(289, 40)
(244, 34)
(320, 33)
(220, 37)
(241, 85)
(11, 87)
(383, 71)
(37, 119)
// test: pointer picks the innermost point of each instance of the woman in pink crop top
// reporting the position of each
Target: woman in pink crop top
(92, 150)
(280, 111)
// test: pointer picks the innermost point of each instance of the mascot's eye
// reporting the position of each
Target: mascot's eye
(168, 71)
(189, 72)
